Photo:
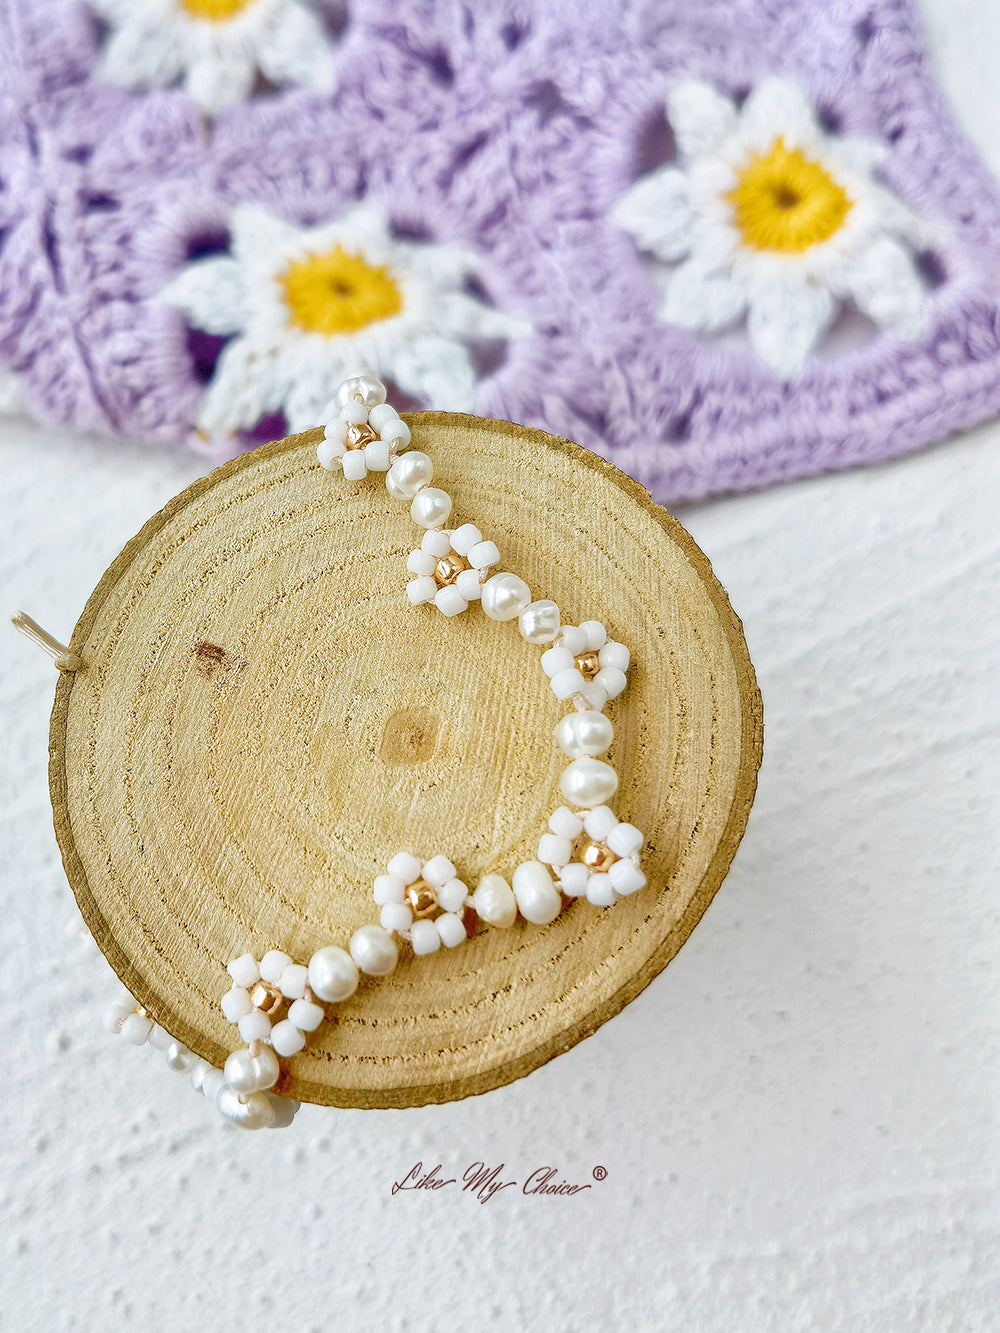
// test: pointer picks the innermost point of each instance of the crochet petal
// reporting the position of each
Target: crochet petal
(458, 314)
(258, 236)
(700, 117)
(785, 321)
(697, 298)
(778, 108)
(885, 284)
(295, 49)
(213, 80)
(142, 51)
(211, 294)
(438, 371)
(244, 388)
(657, 211)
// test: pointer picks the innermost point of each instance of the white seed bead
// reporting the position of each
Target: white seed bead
(450, 928)
(436, 544)
(239, 1072)
(612, 681)
(329, 453)
(380, 416)
(396, 435)
(388, 889)
(464, 538)
(136, 1029)
(273, 964)
(254, 1026)
(253, 1111)
(567, 682)
(396, 917)
(573, 879)
(365, 387)
(198, 1071)
(115, 1014)
(600, 823)
(424, 937)
(451, 895)
(449, 600)
(591, 698)
(287, 1039)
(614, 654)
(494, 902)
(336, 433)
(626, 877)
(406, 476)
(333, 974)
(421, 562)
(557, 659)
(437, 871)
(625, 839)
(594, 633)
(354, 414)
(159, 1038)
(565, 823)
(353, 464)
(305, 1015)
(600, 891)
(588, 781)
(374, 950)
(537, 897)
(573, 639)
(483, 555)
(421, 590)
(430, 507)
(539, 622)
(553, 850)
(584, 733)
(468, 585)
(406, 866)
(293, 981)
(244, 970)
(505, 596)
(377, 456)
(212, 1082)
(235, 1003)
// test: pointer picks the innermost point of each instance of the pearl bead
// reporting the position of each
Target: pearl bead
(408, 474)
(424, 937)
(198, 1072)
(625, 839)
(374, 950)
(430, 507)
(212, 1081)
(406, 866)
(494, 902)
(159, 1038)
(537, 897)
(438, 870)
(451, 929)
(305, 1015)
(244, 970)
(239, 1072)
(284, 1110)
(539, 622)
(505, 596)
(588, 781)
(287, 1039)
(249, 1112)
(365, 386)
(178, 1057)
(553, 850)
(333, 974)
(584, 733)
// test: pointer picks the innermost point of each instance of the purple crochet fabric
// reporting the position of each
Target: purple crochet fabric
(513, 134)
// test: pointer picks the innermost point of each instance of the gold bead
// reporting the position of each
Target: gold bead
(421, 898)
(265, 997)
(597, 856)
(588, 665)
(359, 436)
(448, 568)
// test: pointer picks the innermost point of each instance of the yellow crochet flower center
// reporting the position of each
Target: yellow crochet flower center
(786, 202)
(339, 292)
(214, 11)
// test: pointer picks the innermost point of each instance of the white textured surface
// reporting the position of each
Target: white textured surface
(798, 1119)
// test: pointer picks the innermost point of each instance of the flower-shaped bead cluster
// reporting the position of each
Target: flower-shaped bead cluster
(450, 568)
(367, 433)
(596, 856)
(586, 666)
(259, 994)
(423, 901)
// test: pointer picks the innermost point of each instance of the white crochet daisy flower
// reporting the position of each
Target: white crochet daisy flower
(308, 305)
(216, 47)
(777, 220)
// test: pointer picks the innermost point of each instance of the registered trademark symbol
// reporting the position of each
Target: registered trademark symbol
(599, 1173)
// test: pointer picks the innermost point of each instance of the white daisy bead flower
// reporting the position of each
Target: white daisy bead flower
(306, 305)
(450, 568)
(586, 666)
(594, 855)
(770, 217)
(423, 901)
(367, 434)
(214, 48)
(259, 994)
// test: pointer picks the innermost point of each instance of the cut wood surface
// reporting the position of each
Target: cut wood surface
(261, 720)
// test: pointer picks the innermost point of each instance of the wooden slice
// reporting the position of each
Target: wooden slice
(262, 720)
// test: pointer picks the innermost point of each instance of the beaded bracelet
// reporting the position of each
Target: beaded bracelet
(586, 852)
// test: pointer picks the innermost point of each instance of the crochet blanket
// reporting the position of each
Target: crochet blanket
(722, 244)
